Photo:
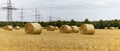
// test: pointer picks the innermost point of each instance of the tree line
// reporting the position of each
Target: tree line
(97, 24)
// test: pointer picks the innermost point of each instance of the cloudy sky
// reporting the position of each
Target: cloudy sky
(78, 10)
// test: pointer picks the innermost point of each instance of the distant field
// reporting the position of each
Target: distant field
(18, 40)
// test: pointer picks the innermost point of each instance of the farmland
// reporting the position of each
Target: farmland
(18, 40)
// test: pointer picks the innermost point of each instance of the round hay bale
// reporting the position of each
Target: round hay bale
(50, 28)
(33, 28)
(4, 27)
(75, 29)
(106, 27)
(65, 29)
(87, 29)
(112, 28)
(116, 27)
(56, 28)
(79, 28)
(8, 27)
(17, 28)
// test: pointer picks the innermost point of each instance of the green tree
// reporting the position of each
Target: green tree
(101, 24)
(72, 22)
(86, 21)
(116, 23)
(44, 24)
(59, 23)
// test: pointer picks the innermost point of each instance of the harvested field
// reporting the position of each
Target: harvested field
(18, 40)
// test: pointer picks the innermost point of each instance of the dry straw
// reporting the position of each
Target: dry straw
(106, 27)
(17, 28)
(75, 29)
(4, 27)
(112, 28)
(79, 28)
(65, 29)
(33, 28)
(50, 28)
(56, 28)
(87, 29)
(116, 27)
(8, 27)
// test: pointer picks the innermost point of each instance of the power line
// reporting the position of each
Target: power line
(37, 16)
(22, 15)
(9, 8)
(50, 18)
(58, 18)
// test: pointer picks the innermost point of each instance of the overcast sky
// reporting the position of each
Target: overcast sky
(65, 9)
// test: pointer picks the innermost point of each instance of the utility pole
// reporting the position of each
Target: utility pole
(9, 8)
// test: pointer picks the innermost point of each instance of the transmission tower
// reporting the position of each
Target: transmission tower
(37, 16)
(22, 15)
(9, 8)
(58, 18)
(50, 18)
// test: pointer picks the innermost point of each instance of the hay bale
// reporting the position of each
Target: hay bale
(8, 27)
(33, 28)
(65, 29)
(4, 27)
(79, 28)
(87, 29)
(75, 29)
(112, 28)
(50, 28)
(56, 28)
(17, 28)
(106, 27)
(116, 27)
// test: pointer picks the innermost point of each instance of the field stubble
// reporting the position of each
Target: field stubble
(18, 40)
